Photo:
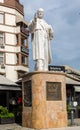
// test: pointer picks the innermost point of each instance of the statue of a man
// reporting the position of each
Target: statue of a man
(41, 34)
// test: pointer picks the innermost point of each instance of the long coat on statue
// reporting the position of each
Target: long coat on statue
(42, 33)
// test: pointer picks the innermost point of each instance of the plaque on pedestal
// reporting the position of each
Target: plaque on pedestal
(53, 91)
(27, 94)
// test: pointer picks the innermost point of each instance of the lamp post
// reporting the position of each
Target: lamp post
(73, 107)
(72, 114)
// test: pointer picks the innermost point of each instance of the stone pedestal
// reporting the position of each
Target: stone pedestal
(44, 100)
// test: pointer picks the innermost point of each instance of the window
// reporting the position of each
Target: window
(24, 42)
(24, 60)
(1, 18)
(17, 39)
(17, 60)
(1, 38)
(25, 30)
(1, 58)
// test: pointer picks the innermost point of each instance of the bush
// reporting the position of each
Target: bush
(68, 109)
(4, 113)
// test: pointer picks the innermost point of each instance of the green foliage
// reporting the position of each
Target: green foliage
(78, 107)
(68, 108)
(4, 113)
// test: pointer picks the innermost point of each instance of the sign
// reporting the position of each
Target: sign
(27, 94)
(24, 50)
(56, 68)
(53, 91)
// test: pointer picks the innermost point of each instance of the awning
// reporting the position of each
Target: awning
(72, 81)
(10, 88)
(77, 88)
(19, 19)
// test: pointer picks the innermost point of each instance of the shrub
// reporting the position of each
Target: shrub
(4, 113)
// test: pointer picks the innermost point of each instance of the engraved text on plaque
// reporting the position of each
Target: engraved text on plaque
(53, 91)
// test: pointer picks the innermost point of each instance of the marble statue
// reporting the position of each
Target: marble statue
(41, 34)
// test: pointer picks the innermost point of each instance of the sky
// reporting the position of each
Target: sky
(64, 17)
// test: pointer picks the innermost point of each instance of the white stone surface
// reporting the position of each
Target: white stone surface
(42, 33)
(2, 1)
(11, 73)
(10, 39)
(9, 29)
(8, 21)
(11, 58)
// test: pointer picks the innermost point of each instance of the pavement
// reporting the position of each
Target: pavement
(15, 126)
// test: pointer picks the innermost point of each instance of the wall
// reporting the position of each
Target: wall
(45, 113)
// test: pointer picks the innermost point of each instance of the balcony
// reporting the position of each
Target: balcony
(21, 68)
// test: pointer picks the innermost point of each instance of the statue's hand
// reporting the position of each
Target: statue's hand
(50, 33)
(35, 17)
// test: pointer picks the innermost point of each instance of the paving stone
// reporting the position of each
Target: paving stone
(18, 127)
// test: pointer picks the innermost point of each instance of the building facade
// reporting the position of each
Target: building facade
(13, 40)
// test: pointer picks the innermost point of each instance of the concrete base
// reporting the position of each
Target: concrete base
(46, 111)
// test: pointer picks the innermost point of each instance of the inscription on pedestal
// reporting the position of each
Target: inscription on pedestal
(53, 91)
(27, 94)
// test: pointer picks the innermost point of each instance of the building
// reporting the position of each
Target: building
(13, 40)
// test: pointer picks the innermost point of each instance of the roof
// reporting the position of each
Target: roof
(20, 19)
(6, 84)
(5, 81)
(10, 88)
(72, 81)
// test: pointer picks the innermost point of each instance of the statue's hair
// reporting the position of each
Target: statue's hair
(40, 9)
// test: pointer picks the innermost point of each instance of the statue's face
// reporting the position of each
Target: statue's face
(40, 14)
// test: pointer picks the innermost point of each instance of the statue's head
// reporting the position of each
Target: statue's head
(40, 13)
